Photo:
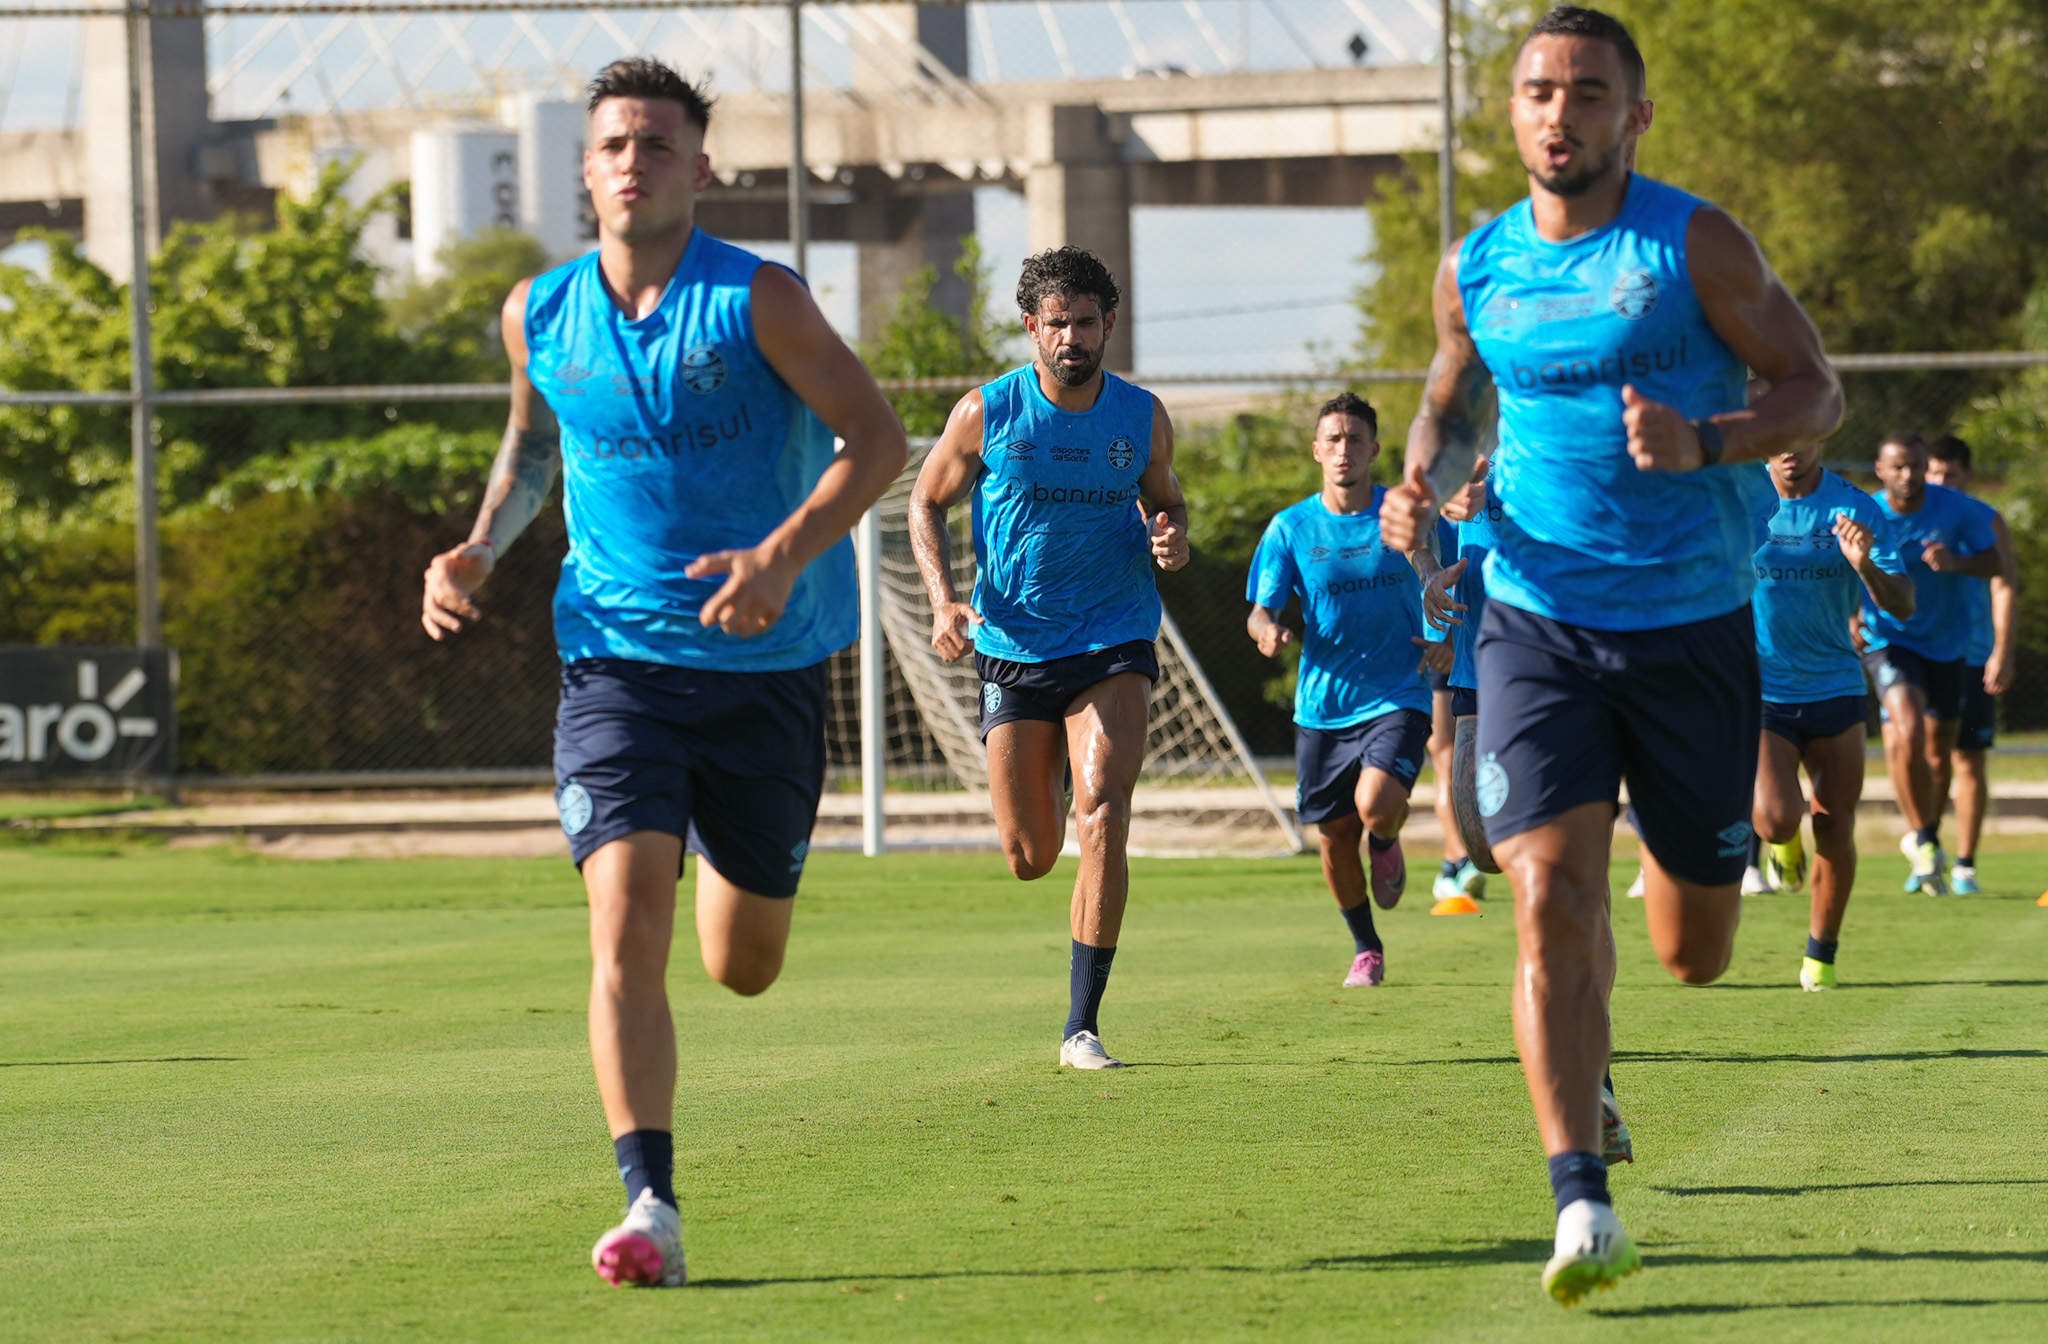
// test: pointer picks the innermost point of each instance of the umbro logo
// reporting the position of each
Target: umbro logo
(573, 373)
(1734, 840)
(1318, 552)
(1021, 448)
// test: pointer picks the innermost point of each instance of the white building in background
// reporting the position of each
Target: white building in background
(465, 179)
(553, 206)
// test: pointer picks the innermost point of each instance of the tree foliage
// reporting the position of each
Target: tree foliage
(456, 313)
(1891, 157)
(919, 341)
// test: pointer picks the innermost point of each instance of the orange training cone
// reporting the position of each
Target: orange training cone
(1465, 905)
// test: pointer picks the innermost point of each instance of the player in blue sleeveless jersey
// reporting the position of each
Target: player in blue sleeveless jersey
(1058, 457)
(1947, 543)
(1361, 706)
(1826, 550)
(692, 393)
(1987, 672)
(1614, 316)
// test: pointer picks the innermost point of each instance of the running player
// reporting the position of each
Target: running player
(693, 393)
(1361, 706)
(1947, 543)
(1987, 672)
(1057, 456)
(1615, 317)
(1827, 549)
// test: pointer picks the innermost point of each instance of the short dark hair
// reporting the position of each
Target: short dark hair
(645, 77)
(1949, 448)
(1350, 403)
(1907, 439)
(1572, 21)
(1072, 273)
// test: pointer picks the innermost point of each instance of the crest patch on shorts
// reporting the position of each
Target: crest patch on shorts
(572, 800)
(1492, 782)
(991, 697)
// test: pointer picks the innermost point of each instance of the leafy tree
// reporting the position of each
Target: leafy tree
(1889, 156)
(233, 306)
(457, 313)
(919, 341)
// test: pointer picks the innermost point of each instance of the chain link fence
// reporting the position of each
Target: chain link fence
(295, 614)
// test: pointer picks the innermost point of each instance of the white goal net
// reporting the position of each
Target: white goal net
(1200, 791)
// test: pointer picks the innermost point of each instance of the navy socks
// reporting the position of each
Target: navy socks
(647, 1161)
(1822, 951)
(1929, 835)
(1373, 840)
(1451, 867)
(1087, 977)
(1575, 1176)
(1363, 934)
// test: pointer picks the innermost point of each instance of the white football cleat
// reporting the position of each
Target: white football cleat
(646, 1249)
(1083, 1050)
(1592, 1252)
(1753, 883)
(1635, 888)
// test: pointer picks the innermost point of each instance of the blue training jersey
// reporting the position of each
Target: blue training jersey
(1060, 537)
(1983, 635)
(1361, 609)
(1940, 628)
(1806, 593)
(678, 439)
(1585, 537)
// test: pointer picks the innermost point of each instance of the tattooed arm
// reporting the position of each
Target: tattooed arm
(521, 478)
(1453, 429)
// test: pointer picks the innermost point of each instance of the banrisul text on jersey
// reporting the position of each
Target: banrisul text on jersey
(677, 439)
(1585, 537)
(1806, 594)
(1065, 561)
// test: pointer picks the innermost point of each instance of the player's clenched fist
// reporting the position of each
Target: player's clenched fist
(1407, 512)
(1855, 539)
(753, 595)
(1169, 544)
(451, 577)
(1470, 499)
(1659, 437)
(950, 626)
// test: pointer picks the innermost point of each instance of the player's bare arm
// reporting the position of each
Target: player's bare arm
(1983, 565)
(521, 478)
(800, 345)
(1750, 309)
(948, 473)
(1893, 593)
(1449, 432)
(1166, 508)
(2005, 604)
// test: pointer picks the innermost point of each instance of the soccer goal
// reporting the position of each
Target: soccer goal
(1200, 791)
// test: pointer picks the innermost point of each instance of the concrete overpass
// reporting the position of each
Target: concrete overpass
(893, 161)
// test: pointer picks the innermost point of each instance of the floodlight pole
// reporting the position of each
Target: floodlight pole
(1447, 167)
(149, 621)
(874, 729)
(799, 175)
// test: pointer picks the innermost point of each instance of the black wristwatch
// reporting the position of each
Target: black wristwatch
(1712, 445)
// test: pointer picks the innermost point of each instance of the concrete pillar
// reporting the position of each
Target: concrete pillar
(1078, 192)
(916, 230)
(175, 134)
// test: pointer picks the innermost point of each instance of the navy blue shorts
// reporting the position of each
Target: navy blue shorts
(1978, 730)
(1464, 701)
(1571, 712)
(732, 762)
(1940, 683)
(1803, 723)
(1328, 761)
(1041, 692)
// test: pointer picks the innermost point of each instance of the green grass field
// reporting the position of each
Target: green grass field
(265, 1100)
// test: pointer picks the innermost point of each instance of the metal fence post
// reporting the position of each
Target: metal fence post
(149, 620)
(874, 728)
(799, 175)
